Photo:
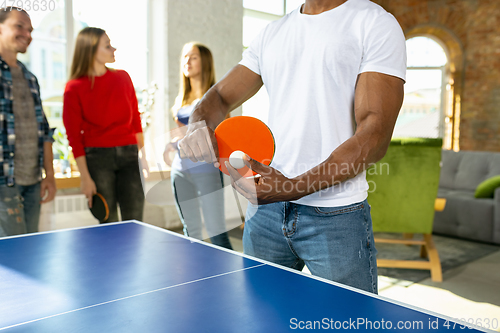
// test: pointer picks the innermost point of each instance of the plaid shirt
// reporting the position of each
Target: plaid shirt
(7, 135)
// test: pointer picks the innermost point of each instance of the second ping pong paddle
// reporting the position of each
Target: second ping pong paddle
(246, 134)
(100, 208)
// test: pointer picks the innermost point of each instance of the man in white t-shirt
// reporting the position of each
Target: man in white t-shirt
(334, 71)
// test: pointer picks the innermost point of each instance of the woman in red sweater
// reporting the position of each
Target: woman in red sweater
(103, 125)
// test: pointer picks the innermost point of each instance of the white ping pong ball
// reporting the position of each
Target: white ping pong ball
(236, 159)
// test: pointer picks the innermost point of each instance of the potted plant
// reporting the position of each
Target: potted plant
(62, 151)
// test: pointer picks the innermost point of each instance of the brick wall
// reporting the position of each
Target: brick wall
(476, 25)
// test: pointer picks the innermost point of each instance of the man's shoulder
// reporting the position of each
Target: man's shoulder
(5, 67)
(367, 5)
(25, 69)
(368, 9)
(369, 14)
(365, 10)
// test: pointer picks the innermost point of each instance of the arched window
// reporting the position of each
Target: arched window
(425, 100)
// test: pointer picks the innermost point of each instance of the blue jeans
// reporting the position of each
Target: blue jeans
(115, 172)
(193, 191)
(19, 209)
(335, 243)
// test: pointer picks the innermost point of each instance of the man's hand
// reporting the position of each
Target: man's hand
(268, 187)
(199, 144)
(236, 87)
(48, 189)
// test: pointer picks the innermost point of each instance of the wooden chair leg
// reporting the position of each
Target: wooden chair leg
(423, 252)
(427, 249)
(407, 236)
(436, 272)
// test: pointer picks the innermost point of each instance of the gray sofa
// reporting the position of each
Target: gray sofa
(465, 216)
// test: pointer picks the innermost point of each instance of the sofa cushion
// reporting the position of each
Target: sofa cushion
(445, 193)
(487, 188)
(465, 216)
(465, 170)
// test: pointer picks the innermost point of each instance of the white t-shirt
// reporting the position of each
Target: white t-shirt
(309, 65)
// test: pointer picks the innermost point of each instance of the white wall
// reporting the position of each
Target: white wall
(216, 23)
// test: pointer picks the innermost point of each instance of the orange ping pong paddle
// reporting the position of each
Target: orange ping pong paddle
(246, 134)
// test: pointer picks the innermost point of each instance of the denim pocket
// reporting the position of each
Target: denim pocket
(331, 211)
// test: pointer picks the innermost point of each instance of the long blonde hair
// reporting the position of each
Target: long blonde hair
(85, 50)
(207, 74)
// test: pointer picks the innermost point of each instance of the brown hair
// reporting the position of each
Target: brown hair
(5, 12)
(85, 50)
(207, 74)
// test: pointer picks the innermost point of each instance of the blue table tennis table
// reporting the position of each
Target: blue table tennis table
(134, 277)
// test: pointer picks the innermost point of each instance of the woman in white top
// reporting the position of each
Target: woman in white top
(196, 186)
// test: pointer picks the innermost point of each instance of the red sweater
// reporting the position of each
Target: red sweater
(105, 115)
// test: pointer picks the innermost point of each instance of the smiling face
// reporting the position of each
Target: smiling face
(15, 32)
(191, 62)
(105, 52)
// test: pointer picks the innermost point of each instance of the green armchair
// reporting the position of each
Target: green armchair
(402, 196)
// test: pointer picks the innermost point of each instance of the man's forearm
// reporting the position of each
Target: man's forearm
(212, 109)
(378, 100)
(48, 159)
(236, 87)
(347, 161)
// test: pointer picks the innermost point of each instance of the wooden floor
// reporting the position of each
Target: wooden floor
(468, 291)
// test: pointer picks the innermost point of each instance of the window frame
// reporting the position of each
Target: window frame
(445, 108)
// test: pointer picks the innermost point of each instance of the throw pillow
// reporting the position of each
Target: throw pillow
(487, 188)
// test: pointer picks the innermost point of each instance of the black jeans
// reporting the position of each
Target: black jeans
(117, 177)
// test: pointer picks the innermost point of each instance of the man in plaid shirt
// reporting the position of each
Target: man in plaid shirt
(25, 136)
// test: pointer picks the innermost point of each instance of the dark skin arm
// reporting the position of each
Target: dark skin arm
(237, 86)
(378, 99)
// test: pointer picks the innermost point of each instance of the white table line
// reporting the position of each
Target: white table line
(123, 298)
